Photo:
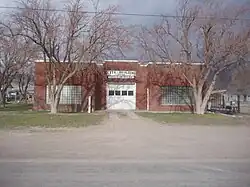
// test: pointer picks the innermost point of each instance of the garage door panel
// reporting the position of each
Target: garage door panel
(121, 96)
(118, 104)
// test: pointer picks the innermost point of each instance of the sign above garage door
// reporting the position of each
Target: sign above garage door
(116, 74)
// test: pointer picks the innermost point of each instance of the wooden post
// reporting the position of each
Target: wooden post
(89, 104)
(147, 99)
(223, 101)
(15, 97)
(238, 103)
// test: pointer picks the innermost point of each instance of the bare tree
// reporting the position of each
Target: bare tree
(15, 52)
(214, 35)
(69, 38)
(25, 79)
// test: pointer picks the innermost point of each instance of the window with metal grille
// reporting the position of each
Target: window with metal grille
(117, 92)
(176, 95)
(69, 95)
(130, 93)
(111, 92)
(124, 93)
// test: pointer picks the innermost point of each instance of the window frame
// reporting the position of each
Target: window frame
(116, 91)
(129, 91)
(111, 91)
(124, 91)
(175, 97)
(70, 95)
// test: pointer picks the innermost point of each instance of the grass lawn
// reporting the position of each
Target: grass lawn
(192, 119)
(18, 116)
(16, 108)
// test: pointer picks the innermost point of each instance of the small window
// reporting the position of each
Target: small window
(130, 93)
(124, 93)
(111, 92)
(117, 92)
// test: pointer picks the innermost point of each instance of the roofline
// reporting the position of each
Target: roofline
(135, 61)
(177, 63)
(140, 63)
(168, 63)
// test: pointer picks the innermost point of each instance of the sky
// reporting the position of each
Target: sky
(166, 7)
(142, 7)
(134, 6)
(129, 6)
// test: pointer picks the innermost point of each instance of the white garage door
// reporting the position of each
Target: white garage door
(121, 96)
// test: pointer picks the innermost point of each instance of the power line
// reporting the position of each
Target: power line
(122, 13)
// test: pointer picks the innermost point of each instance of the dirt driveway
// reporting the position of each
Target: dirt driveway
(127, 136)
(127, 151)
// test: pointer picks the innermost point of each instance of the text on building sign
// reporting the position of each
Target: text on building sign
(121, 74)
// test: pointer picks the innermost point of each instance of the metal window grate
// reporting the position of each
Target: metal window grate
(176, 95)
(111, 92)
(124, 93)
(69, 95)
(130, 93)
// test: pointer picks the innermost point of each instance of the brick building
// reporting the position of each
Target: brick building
(120, 85)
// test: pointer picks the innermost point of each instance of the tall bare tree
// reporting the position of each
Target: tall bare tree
(25, 79)
(216, 35)
(15, 53)
(69, 38)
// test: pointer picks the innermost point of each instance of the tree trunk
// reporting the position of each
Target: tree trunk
(3, 97)
(26, 100)
(201, 103)
(198, 104)
(197, 92)
(24, 96)
(203, 109)
(54, 104)
(53, 108)
(55, 100)
(238, 103)
(201, 100)
(204, 103)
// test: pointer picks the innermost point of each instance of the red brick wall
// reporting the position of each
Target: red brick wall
(141, 88)
(94, 80)
(160, 76)
(91, 80)
(39, 99)
(156, 105)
